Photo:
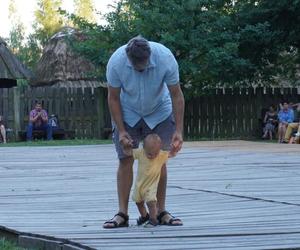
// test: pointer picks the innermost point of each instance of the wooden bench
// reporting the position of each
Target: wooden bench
(57, 134)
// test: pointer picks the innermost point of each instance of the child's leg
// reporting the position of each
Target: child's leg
(152, 207)
(265, 133)
(142, 209)
(144, 214)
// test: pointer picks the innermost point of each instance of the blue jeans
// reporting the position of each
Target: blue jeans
(45, 127)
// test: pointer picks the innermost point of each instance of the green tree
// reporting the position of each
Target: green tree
(269, 37)
(17, 32)
(25, 48)
(85, 10)
(48, 20)
(217, 43)
(202, 35)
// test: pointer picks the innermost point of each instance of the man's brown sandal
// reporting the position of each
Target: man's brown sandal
(170, 222)
(116, 224)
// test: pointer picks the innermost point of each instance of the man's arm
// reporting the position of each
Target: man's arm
(44, 116)
(178, 112)
(291, 116)
(32, 118)
(114, 105)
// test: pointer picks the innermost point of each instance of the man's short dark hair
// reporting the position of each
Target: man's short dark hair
(138, 51)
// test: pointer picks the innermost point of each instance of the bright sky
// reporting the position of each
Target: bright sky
(26, 10)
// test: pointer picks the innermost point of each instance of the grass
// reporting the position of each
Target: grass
(77, 142)
(8, 245)
(74, 142)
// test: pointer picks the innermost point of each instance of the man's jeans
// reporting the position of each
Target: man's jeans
(45, 127)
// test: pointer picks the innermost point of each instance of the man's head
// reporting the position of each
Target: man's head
(152, 145)
(285, 105)
(38, 107)
(138, 52)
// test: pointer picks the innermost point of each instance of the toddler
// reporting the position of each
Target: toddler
(150, 161)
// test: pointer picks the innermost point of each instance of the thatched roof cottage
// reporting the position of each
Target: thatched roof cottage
(11, 69)
(61, 66)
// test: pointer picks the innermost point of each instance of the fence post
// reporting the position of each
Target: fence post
(99, 96)
(17, 123)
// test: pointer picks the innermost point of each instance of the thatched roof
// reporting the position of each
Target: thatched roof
(61, 66)
(10, 66)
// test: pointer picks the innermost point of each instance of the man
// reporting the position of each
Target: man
(285, 116)
(293, 125)
(38, 120)
(144, 97)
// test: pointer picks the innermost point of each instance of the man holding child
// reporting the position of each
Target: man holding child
(144, 97)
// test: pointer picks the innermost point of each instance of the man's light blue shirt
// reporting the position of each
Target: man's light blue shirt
(144, 95)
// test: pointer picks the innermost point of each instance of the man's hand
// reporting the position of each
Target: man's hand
(176, 143)
(126, 142)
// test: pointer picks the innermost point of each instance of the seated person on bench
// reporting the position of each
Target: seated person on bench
(2, 130)
(294, 127)
(38, 120)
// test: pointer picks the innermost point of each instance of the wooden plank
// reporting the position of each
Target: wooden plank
(101, 110)
(257, 107)
(196, 116)
(226, 113)
(63, 108)
(210, 115)
(187, 120)
(221, 119)
(216, 117)
(236, 198)
(23, 111)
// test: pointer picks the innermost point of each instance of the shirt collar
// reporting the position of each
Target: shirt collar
(150, 65)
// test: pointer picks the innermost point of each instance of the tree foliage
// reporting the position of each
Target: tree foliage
(202, 35)
(216, 42)
(85, 10)
(48, 19)
(25, 48)
(269, 32)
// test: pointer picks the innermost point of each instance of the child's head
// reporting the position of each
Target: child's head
(152, 145)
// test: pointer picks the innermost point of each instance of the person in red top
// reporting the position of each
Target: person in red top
(38, 120)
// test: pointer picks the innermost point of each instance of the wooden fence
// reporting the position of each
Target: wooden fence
(83, 110)
(221, 113)
(232, 113)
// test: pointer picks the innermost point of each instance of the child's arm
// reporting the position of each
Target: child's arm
(128, 151)
(171, 154)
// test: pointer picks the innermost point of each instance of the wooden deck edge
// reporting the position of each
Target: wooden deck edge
(40, 242)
